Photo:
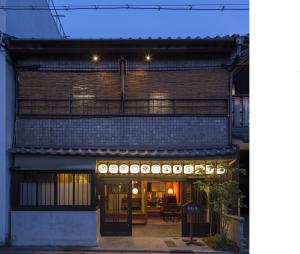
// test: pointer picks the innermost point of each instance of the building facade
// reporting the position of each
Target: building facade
(20, 24)
(109, 135)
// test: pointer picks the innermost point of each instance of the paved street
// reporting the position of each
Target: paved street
(153, 245)
(97, 252)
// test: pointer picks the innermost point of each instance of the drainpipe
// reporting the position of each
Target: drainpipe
(10, 61)
(230, 107)
(123, 71)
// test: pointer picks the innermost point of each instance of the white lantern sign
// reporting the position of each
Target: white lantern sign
(134, 169)
(124, 169)
(145, 169)
(166, 169)
(199, 169)
(155, 169)
(209, 169)
(188, 169)
(113, 169)
(221, 170)
(102, 168)
(177, 169)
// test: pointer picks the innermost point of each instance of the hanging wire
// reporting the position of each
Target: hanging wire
(174, 7)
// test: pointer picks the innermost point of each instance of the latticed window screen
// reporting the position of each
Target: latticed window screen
(52, 189)
(82, 189)
(65, 189)
(36, 190)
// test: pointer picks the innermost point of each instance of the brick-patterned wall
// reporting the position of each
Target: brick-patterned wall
(65, 84)
(84, 87)
(124, 132)
(174, 84)
(141, 84)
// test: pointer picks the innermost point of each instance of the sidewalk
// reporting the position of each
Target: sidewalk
(124, 245)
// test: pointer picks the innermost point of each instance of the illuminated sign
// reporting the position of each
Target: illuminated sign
(177, 169)
(155, 169)
(188, 169)
(124, 169)
(145, 169)
(166, 169)
(220, 170)
(134, 169)
(209, 169)
(160, 168)
(102, 168)
(113, 169)
(199, 169)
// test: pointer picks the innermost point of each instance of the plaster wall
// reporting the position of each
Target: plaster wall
(59, 228)
(31, 24)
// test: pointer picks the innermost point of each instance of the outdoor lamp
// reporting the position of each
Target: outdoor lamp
(170, 191)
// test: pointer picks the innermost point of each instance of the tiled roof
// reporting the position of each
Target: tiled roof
(217, 37)
(142, 153)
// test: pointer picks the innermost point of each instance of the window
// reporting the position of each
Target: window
(36, 190)
(32, 190)
(65, 189)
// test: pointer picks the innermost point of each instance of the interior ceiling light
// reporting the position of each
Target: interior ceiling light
(135, 191)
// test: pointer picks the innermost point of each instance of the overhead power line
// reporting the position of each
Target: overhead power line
(178, 7)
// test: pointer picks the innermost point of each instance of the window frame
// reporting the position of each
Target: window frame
(15, 191)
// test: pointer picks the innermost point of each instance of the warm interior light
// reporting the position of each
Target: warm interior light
(148, 58)
(135, 191)
(170, 191)
(95, 58)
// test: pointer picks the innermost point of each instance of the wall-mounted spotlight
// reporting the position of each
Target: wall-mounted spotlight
(95, 58)
(148, 58)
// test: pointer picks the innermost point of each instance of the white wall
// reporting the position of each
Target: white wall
(4, 161)
(31, 24)
(60, 228)
(21, 24)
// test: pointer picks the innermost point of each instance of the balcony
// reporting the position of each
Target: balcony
(240, 117)
(133, 106)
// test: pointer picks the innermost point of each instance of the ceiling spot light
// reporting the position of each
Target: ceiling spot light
(95, 58)
(170, 191)
(148, 58)
(135, 191)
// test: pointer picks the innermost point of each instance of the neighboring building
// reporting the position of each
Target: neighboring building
(122, 125)
(21, 24)
(241, 127)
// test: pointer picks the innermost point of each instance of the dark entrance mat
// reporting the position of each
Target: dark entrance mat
(170, 243)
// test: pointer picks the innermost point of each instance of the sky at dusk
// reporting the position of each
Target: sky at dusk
(152, 23)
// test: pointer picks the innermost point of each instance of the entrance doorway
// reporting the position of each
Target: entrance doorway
(150, 207)
(160, 212)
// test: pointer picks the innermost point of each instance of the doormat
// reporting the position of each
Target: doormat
(170, 243)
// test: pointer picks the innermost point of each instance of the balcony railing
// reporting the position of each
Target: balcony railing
(240, 111)
(105, 106)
